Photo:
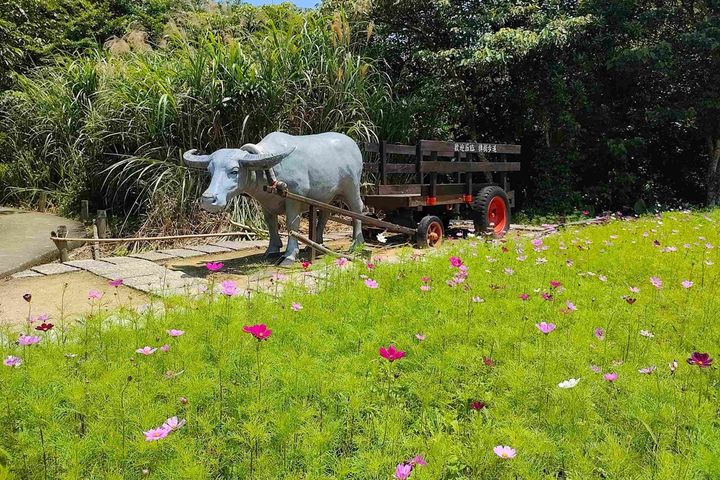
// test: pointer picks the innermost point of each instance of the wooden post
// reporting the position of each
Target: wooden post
(42, 201)
(96, 245)
(382, 174)
(61, 245)
(84, 210)
(312, 230)
(418, 163)
(101, 223)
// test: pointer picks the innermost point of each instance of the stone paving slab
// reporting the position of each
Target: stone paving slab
(209, 248)
(181, 252)
(98, 267)
(54, 268)
(152, 256)
(26, 274)
(238, 245)
(124, 260)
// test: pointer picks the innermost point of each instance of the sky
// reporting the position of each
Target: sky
(299, 3)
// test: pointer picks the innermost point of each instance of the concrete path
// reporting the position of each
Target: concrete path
(25, 238)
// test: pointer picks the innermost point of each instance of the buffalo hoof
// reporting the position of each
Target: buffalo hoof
(286, 262)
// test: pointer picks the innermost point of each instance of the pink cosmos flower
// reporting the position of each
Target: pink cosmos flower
(156, 434)
(455, 262)
(172, 424)
(116, 283)
(425, 279)
(296, 307)
(341, 262)
(175, 333)
(425, 288)
(229, 288)
(214, 266)
(146, 351)
(418, 460)
(687, 284)
(391, 353)
(545, 327)
(595, 368)
(420, 336)
(537, 242)
(600, 333)
(477, 300)
(503, 451)
(547, 296)
(27, 340)
(260, 331)
(12, 361)
(165, 348)
(648, 370)
(370, 283)
(610, 377)
(94, 295)
(402, 471)
(634, 289)
(524, 296)
(570, 306)
(656, 282)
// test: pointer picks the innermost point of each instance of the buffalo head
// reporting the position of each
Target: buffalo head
(228, 169)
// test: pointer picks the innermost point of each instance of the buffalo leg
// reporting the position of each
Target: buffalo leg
(275, 241)
(292, 212)
(356, 205)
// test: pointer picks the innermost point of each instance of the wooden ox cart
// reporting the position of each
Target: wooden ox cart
(417, 189)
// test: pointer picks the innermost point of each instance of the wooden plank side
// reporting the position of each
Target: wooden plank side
(454, 167)
(397, 149)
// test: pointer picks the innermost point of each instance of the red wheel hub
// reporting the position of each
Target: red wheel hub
(497, 214)
(434, 234)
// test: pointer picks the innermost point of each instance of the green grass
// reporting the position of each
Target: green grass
(331, 407)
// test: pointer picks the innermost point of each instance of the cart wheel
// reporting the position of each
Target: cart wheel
(430, 232)
(491, 211)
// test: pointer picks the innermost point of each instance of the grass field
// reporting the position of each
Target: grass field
(316, 400)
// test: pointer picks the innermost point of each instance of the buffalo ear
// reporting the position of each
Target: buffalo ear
(193, 160)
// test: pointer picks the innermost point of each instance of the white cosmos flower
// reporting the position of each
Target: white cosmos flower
(381, 237)
(569, 383)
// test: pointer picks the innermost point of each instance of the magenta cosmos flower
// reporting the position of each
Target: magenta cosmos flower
(370, 283)
(402, 471)
(214, 266)
(391, 353)
(503, 451)
(116, 283)
(545, 327)
(94, 295)
(146, 350)
(555, 283)
(260, 331)
(524, 296)
(175, 333)
(156, 434)
(305, 265)
(229, 288)
(44, 327)
(477, 405)
(455, 262)
(27, 340)
(11, 361)
(610, 377)
(702, 360)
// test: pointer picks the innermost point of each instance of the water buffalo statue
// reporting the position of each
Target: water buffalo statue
(323, 167)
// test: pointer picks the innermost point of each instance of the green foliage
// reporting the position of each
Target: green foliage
(113, 126)
(327, 406)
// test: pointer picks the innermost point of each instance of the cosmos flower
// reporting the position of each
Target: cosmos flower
(370, 283)
(545, 327)
(296, 307)
(27, 340)
(425, 288)
(172, 424)
(610, 377)
(402, 471)
(656, 282)
(477, 405)
(44, 327)
(595, 369)
(524, 296)
(420, 336)
(175, 333)
(456, 262)
(555, 283)
(702, 360)
(634, 289)
(571, 383)
(648, 370)
(229, 288)
(165, 348)
(305, 265)
(380, 237)
(341, 262)
(647, 334)
(418, 460)
(214, 266)
(687, 284)
(11, 361)
(503, 451)
(156, 434)
(600, 333)
(391, 353)
(260, 331)
(116, 283)
(94, 295)
(146, 351)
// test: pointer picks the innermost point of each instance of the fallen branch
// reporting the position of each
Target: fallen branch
(318, 247)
